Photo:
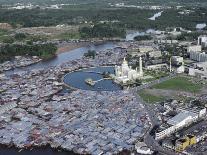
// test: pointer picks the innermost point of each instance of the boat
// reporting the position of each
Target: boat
(90, 82)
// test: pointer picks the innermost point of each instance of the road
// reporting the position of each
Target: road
(148, 139)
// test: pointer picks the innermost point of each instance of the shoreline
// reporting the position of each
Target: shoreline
(67, 47)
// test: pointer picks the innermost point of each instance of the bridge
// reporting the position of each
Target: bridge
(92, 83)
(93, 72)
(101, 80)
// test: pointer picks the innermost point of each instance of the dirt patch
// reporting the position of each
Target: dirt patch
(48, 31)
(5, 26)
(168, 93)
(71, 46)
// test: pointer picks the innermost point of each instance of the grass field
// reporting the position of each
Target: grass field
(150, 98)
(181, 84)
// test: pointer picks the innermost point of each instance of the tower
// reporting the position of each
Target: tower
(140, 66)
(170, 64)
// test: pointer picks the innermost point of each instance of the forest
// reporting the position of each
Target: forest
(128, 18)
(44, 51)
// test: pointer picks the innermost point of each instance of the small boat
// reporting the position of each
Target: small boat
(20, 150)
(90, 82)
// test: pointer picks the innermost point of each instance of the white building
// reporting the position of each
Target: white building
(199, 70)
(125, 73)
(155, 54)
(176, 60)
(158, 66)
(202, 40)
(197, 56)
(194, 48)
(142, 148)
(180, 69)
(181, 120)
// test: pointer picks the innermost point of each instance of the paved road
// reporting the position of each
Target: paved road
(148, 139)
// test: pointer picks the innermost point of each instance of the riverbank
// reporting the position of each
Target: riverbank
(69, 46)
(65, 47)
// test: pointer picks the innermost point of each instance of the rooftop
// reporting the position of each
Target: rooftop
(180, 117)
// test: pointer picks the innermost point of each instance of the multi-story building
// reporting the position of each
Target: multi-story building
(202, 40)
(184, 118)
(197, 56)
(194, 48)
(199, 70)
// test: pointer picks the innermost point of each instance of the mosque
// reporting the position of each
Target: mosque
(125, 73)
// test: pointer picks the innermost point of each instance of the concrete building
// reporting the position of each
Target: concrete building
(194, 48)
(182, 119)
(139, 50)
(202, 40)
(142, 148)
(155, 54)
(182, 143)
(199, 70)
(125, 73)
(177, 60)
(197, 56)
(158, 66)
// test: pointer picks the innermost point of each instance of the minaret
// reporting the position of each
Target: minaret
(140, 66)
(170, 65)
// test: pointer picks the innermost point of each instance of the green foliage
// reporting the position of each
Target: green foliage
(8, 40)
(189, 36)
(20, 36)
(179, 83)
(149, 98)
(145, 37)
(102, 30)
(68, 36)
(90, 53)
(45, 51)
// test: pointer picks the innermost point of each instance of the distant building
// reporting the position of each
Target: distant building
(179, 63)
(184, 118)
(179, 144)
(142, 148)
(139, 51)
(198, 56)
(199, 70)
(155, 54)
(125, 73)
(202, 40)
(158, 66)
(194, 48)
(177, 60)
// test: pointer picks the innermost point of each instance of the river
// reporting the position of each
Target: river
(64, 57)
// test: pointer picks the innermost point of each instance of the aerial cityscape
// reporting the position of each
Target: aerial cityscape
(103, 77)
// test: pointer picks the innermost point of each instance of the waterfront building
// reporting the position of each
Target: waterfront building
(125, 73)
